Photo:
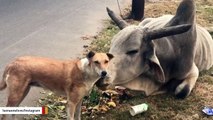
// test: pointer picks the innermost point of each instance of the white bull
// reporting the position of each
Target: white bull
(158, 55)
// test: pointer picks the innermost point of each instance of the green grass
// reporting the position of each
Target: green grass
(102, 41)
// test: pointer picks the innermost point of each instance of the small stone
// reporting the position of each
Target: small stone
(86, 37)
(85, 46)
(195, 116)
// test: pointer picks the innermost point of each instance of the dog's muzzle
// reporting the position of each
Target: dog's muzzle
(103, 74)
(101, 81)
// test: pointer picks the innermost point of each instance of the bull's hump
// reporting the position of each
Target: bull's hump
(155, 23)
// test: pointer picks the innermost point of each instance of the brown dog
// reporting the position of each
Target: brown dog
(73, 78)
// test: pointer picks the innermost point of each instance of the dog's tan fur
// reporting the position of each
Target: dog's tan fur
(73, 78)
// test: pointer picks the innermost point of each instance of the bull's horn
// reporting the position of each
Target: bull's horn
(118, 20)
(167, 31)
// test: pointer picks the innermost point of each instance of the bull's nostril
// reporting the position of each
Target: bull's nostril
(103, 73)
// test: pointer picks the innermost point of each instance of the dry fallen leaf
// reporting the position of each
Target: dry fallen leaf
(96, 108)
(111, 104)
(83, 108)
(63, 101)
(104, 108)
(113, 92)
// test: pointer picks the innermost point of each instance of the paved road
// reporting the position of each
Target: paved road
(50, 28)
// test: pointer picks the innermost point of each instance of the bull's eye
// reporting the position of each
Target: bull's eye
(96, 62)
(106, 61)
(132, 52)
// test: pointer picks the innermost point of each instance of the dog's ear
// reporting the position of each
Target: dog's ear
(110, 56)
(90, 54)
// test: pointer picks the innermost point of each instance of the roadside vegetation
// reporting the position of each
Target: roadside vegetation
(112, 105)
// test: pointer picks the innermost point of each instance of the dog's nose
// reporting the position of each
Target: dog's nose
(103, 73)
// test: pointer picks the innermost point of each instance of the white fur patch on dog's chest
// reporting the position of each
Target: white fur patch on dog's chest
(84, 63)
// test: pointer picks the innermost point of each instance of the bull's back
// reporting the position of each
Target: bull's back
(204, 49)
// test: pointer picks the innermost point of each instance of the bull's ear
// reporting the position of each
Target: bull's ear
(166, 31)
(90, 54)
(156, 68)
(110, 56)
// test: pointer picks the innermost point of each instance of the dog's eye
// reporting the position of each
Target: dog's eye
(132, 52)
(106, 61)
(96, 62)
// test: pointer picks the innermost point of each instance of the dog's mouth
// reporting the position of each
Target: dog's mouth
(101, 83)
(103, 77)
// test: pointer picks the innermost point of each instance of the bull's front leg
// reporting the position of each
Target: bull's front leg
(185, 88)
(144, 84)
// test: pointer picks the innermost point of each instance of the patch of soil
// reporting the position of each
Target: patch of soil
(160, 8)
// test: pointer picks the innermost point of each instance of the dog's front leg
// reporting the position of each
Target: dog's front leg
(71, 110)
(75, 98)
(78, 110)
(74, 106)
(3, 117)
(8, 117)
